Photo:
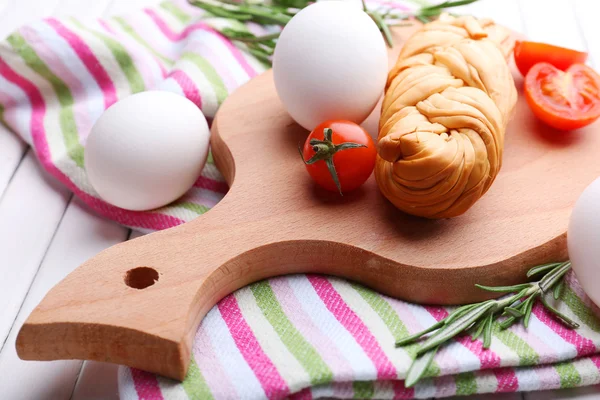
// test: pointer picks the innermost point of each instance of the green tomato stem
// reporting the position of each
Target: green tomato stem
(325, 150)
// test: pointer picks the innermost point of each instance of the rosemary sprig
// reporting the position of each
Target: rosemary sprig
(277, 13)
(478, 318)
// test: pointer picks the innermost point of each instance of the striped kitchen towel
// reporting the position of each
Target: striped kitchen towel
(312, 336)
(296, 336)
(57, 76)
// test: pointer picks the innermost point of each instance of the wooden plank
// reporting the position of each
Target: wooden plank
(33, 204)
(13, 14)
(566, 24)
(82, 9)
(79, 235)
(135, 234)
(97, 381)
(13, 150)
(491, 396)
(505, 12)
(30, 211)
(583, 393)
(552, 21)
(586, 12)
(17, 13)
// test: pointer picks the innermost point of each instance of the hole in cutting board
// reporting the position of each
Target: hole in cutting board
(141, 277)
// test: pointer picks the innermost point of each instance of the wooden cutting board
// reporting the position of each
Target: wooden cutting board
(139, 303)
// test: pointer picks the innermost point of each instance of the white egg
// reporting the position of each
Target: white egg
(330, 62)
(583, 238)
(147, 150)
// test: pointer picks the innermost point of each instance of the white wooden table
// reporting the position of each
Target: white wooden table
(45, 232)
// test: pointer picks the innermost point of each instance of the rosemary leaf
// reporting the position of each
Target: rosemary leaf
(504, 289)
(479, 326)
(403, 24)
(558, 289)
(428, 13)
(528, 309)
(248, 37)
(459, 312)
(554, 276)
(518, 296)
(413, 338)
(541, 269)
(261, 56)
(514, 312)
(280, 12)
(507, 323)
(422, 18)
(566, 320)
(448, 4)
(257, 12)
(418, 367)
(487, 332)
(383, 27)
(459, 325)
(222, 12)
(292, 3)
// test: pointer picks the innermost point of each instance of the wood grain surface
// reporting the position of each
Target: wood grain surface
(275, 221)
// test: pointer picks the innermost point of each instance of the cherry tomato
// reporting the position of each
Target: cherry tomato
(564, 100)
(339, 151)
(527, 54)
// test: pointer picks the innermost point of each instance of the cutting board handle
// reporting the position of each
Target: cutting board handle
(139, 303)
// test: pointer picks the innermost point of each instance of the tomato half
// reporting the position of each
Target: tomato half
(527, 54)
(346, 147)
(564, 100)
